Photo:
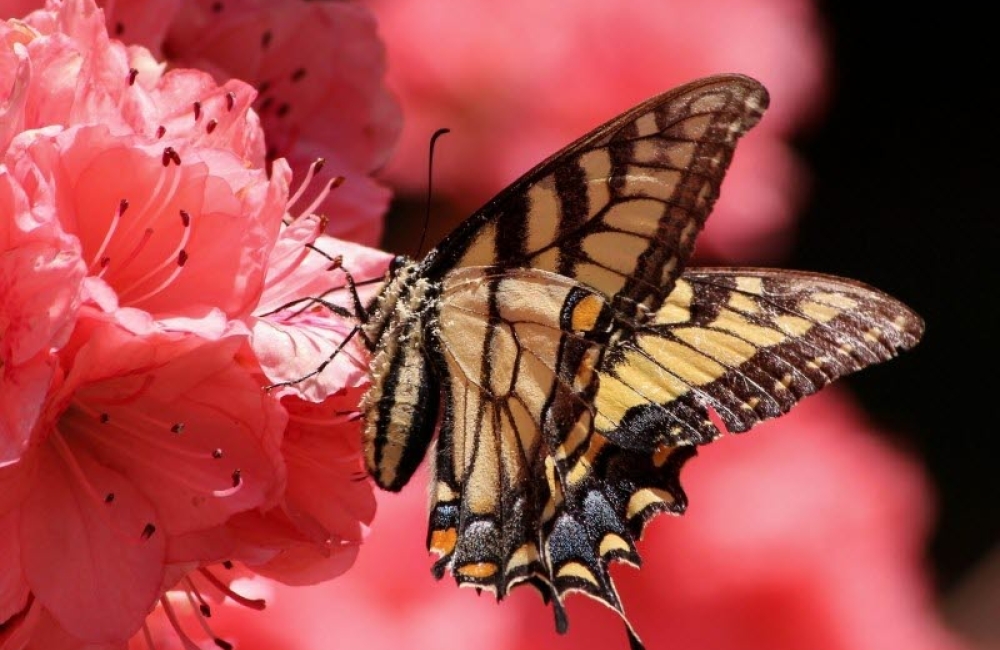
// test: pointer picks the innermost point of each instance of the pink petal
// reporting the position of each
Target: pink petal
(39, 293)
(192, 236)
(96, 566)
(181, 420)
(328, 503)
(22, 395)
(13, 587)
(293, 342)
(48, 634)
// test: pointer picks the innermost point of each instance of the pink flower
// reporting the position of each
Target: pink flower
(318, 68)
(143, 259)
(806, 533)
(516, 81)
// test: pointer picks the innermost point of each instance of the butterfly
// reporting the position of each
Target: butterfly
(568, 359)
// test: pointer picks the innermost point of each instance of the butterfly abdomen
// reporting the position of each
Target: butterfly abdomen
(400, 408)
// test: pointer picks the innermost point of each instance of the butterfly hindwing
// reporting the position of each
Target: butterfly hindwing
(619, 209)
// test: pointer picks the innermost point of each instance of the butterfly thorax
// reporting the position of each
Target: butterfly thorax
(400, 408)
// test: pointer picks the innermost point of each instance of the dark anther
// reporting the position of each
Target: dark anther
(197, 111)
(283, 109)
(161, 131)
(227, 564)
(230, 100)
(217, 453)
(168, 155)
(216, 7)
(298, 74)
(319, 164)
(105, 261)
(271, 153)
(119, 28)
(182, 259)
(148, 531)
(104, 418)
(336, 182)
(263, 87)
(177, 428)
(185, 218)
(266, 104)
(122, 207)
(109, 497)
(237, 477)
(175, 157)
(132, 74)
(211, 124)
(205, 610)
(222, 643)
(265, 39)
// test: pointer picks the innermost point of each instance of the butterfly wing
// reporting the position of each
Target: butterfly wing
(559, 442)
(747, 343)
(619, 209)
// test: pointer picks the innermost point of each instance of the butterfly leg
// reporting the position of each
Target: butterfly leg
(321, 367)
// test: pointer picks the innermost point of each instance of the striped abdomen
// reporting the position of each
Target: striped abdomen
(400, 408)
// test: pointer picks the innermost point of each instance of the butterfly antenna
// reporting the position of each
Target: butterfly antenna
(430, 180)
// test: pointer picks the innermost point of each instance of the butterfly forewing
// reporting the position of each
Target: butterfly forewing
(619, 209)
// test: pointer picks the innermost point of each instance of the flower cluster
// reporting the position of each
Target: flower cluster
(155, 276)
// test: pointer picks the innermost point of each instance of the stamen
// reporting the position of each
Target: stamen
(211, 124)
(230, 100)
(314, 169)
(197, 111)
(177, 259)
(205, 611)
(332, 185)
(119, 28)
(203, 606)
(99, 257)
(160, 131)
(227, 564)
(216, 7)
(217, 453)
(170, 155)
(109, 497)
(283, 109)
(177, 428)
(298, 74)
(237, 477)
(266, 104)
(263, 87)
(265, 39)
(253, 603)
(132, 74)
(148, 531)
(174, 623)
(104, 418)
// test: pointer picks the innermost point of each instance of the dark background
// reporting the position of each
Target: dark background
(905, 198)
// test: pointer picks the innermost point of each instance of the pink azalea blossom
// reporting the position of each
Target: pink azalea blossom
(143, 254)
(516, 81)
(318, 68)
(808, 532)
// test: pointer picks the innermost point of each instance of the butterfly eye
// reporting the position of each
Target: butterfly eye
(397, 263)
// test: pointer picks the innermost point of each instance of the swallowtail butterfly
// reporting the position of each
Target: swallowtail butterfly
(568, 358)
